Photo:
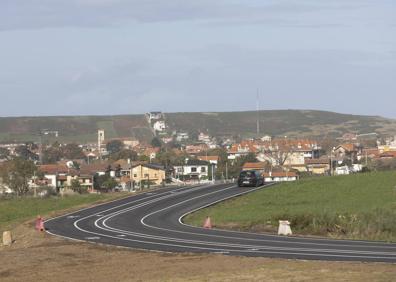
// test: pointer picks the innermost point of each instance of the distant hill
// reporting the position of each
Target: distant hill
(281, 123)
(74, 129)
(275, 123)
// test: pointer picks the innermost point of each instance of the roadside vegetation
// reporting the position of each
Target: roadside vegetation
(360, 206)
(16, 210)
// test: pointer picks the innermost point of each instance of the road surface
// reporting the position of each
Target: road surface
(153, 221)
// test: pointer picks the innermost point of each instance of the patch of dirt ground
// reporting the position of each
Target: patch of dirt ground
(41, 257)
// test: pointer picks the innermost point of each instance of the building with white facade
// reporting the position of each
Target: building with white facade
(159, 125)
(182, 136)
(193, 170)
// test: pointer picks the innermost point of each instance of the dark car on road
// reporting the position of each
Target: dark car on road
(250, 178)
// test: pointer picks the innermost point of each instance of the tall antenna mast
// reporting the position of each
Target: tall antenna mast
(258, 111)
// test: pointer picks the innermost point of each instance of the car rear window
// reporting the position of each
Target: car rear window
(247, 174)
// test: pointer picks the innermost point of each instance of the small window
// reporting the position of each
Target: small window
(135, 175)
(193, 169)
(203, 169)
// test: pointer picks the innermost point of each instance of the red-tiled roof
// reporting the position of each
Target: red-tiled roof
(208, 158)
(388, 154)
(53, 168)
(93, 168)
(258, 165)
(348, 147)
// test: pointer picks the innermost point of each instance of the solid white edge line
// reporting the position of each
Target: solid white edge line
(162, 238)
(190, 247)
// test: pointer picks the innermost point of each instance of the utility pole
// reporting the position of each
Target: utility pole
(257, 113)
(226, 171)
(34, 184)
(213, 176)
(41, 148)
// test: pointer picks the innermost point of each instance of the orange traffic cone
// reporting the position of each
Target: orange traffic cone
(39, 223)
(207, 223)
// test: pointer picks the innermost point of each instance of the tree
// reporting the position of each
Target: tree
(144, 158)
(114, 146)
(235, 167)
(76, 187)
(17, 173)
(118, 170)
(72, 151)
(76, 165)
(109, 183)
(24, 153)
(170, 157)
(156, 142)
(4, 153)
(193, 136)
(124, 154)
(104, 182)
(51, 155)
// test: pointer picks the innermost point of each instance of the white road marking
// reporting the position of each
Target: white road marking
(203, 248)
(140, 235)
(92, 238)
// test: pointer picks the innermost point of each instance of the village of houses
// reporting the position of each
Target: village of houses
(277, 158)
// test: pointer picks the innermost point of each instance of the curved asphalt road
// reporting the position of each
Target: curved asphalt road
(152, 221)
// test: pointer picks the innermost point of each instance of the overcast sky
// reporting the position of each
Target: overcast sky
(67, 57)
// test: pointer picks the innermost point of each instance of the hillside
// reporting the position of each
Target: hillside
(74, 129)
(281, 123)
(276, 123)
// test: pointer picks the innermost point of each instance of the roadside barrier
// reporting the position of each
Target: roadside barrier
(284, 228)
(207, 223)
(40, 224)
(7, 238)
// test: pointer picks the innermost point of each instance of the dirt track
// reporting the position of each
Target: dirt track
(42, 257)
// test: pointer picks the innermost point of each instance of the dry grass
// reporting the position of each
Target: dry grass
(42, 257)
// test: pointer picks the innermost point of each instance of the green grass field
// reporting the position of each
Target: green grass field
(361, 206)
(16, 210)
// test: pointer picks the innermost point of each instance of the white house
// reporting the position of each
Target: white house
(204, 137)
(182, 136)
(159, 125)
(193, 170)
(154, 116)
(342, 170)
(266, 138)
(4, 189)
